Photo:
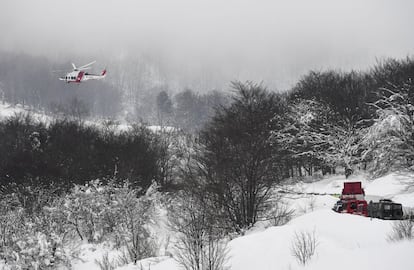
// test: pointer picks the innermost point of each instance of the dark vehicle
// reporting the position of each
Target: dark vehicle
(385, 209)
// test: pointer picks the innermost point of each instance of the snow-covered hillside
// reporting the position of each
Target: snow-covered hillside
(7, 110)
(343, 241)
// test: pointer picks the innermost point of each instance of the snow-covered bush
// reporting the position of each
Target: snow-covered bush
(11, 223)
(45, 236)
(106, 263)
(40, 250)
(303, 246)
(131, 228)
(88, 211)
(401, 230)
(33, 241)
(97, 212)
(199, 244)
(280, 214)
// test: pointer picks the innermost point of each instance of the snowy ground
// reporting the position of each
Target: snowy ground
(7, 110)
(344, 241)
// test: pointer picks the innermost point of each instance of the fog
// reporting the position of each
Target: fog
(271, 41)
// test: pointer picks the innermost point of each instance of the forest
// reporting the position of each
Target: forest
(219, 163)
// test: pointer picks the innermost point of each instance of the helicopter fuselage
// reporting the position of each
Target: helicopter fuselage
(79, 76)
(74, 76)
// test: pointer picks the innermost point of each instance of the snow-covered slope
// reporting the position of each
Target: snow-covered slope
(7, 110)
(344, 241)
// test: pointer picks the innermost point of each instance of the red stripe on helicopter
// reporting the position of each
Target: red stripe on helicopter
(80, 76)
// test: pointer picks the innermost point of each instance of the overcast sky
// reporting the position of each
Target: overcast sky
(274, 41)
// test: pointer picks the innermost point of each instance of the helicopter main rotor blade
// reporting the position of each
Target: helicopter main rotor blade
(61, 70)
(84, 66)
(74, 67)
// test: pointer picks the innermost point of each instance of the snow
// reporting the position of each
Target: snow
(159, 263)
(89, 253)
(157, 129)
(336, 234)
(8, 110)
(344, 241)
(389, 185)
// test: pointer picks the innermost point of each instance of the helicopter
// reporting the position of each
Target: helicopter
(79, 75)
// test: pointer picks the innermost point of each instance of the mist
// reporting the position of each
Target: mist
(193, 40)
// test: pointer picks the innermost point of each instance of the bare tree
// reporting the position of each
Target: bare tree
(239, 162)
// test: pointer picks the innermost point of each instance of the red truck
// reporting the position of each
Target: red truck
(352, 200)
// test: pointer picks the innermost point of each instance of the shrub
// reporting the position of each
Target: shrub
(304, 246)
(132, 232)
(37, 241)
(106, 263)
(401, 230)
(43, 239)
(199, 244)
(280, 214)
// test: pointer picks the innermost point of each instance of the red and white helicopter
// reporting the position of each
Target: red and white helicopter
(79, 75)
